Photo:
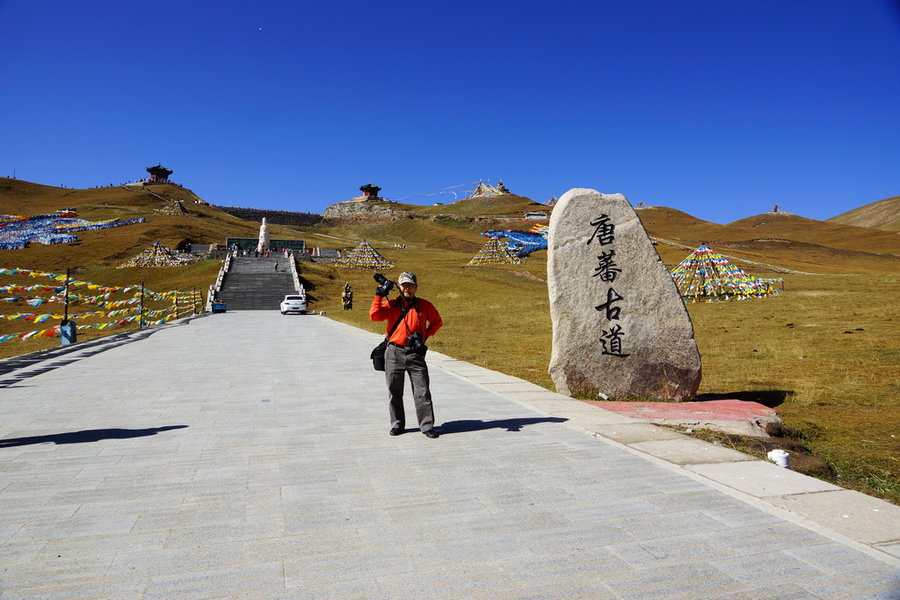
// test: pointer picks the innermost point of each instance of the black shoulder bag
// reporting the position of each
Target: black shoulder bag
(377, 355)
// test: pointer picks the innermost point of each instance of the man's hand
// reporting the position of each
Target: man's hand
(385, 289)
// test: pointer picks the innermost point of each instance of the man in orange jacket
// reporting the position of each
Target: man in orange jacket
(406, 349)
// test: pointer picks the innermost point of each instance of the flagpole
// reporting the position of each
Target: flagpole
(66, 316)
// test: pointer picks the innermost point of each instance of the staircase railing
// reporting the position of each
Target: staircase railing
(294, 273)
(217, 286)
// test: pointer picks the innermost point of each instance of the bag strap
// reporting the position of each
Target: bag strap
(397, 323)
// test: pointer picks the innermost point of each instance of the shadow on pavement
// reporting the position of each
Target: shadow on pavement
(770, 398)
(507, 424)
(88, 435)
(79, 351)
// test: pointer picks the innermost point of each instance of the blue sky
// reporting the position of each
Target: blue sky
(718, 108)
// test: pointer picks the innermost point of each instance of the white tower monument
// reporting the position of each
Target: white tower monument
(264, 241)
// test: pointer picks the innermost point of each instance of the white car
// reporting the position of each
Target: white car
(293, 303)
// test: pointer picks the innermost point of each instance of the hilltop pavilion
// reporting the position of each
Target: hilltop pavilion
(159, 174)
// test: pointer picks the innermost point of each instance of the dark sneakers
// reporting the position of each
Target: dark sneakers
(396, 430)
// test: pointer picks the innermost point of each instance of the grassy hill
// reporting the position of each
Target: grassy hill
(883, 214)
(826, 349)
(505, 205)
(158, 204)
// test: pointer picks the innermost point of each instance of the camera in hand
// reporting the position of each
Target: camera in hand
(385, 285)
(414, 342)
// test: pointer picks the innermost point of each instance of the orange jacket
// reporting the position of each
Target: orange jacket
(422, 317)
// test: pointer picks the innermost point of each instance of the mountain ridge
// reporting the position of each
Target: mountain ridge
(790, 241)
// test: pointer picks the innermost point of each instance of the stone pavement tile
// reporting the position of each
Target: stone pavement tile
(110, 508)
(853, 586)
(634, 432)
(62, 570)
(832, 557)
(673, 482)
(541, 590)
(337, 589)
(680, 582)
(14, 515)
(74, 527)
(687, 451)
(428, 553)
(767, 568)
(671, 550)
(665, 525)
(92, 589)
(612, 511)
(691, 501)
(566, 539)
(176, 561)
(865, 518)
(10, 553)
(738, 514)
(477, 581)
(756, 538)
(761, 479)
(222, 532)
(191, 516)
(99, 547)
(192, 585)
(513, 384)
(777, 592)
(364, 563)
(591, 419)
(563, 567)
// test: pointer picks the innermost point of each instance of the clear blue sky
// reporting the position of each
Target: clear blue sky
(719, 108)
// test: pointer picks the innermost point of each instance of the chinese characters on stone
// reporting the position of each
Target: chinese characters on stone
(607, 269)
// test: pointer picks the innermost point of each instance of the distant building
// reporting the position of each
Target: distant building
(536, 215)
(369, 190)
(369, 194)
(159, 174)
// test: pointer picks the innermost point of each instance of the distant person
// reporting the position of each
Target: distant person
(406, 349)
(347, 296)
(276, 265)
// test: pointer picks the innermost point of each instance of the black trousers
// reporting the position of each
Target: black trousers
(398, 361)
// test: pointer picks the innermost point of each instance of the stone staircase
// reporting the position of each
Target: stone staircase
(253, 283)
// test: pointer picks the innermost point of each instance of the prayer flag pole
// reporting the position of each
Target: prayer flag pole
(66, 316)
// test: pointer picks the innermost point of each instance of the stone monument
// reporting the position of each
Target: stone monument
(264, 240)
(620, 327)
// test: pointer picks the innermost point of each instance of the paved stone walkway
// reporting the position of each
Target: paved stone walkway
(246, 455)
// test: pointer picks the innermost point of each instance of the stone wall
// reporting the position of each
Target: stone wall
(361, 209)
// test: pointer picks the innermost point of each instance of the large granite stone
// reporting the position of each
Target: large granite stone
(620, 327)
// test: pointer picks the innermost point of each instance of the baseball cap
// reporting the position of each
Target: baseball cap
(407, 278)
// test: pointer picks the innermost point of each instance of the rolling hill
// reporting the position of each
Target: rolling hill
(883, 214)
(174, 215)
(785, 240)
